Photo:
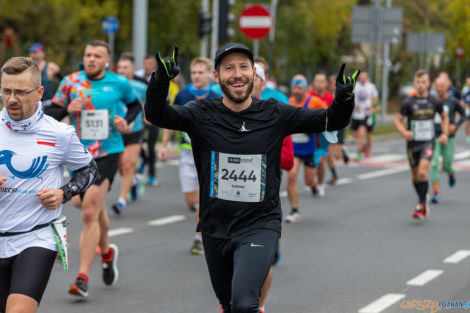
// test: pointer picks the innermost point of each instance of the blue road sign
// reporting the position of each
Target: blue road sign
(110, 25)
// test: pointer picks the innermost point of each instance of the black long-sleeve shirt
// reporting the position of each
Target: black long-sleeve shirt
(238, 154)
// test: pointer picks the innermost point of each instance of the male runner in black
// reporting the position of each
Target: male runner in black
(237, 144)
(420, 135)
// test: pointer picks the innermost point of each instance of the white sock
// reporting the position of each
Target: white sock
(198, 237)
(122, 201)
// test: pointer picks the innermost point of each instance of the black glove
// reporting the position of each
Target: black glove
(345, 83)
(167, 68)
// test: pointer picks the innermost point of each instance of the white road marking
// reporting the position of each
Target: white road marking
(463, 163)
(387, 157)
(384, 172)
(167, 220)
(457, 256)
(424, 278)
(119, 231)
(343, 181)
(382, 303)
(462, 155)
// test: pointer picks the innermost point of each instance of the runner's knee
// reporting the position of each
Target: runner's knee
(90, 213)
(245, 305)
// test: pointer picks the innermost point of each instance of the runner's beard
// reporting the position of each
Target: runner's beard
(232, 96)
(95, 74)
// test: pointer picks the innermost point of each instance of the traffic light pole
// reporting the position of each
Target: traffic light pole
(204, 40)
(215, 27)
(139, 32)
(272, 32)
(385, 73)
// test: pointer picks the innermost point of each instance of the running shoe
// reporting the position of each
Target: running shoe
(110, 269)
(367, 155)
(79, 288)
(452, 180)
(135, 186)
(420, 213)
(436, 198)
(293, 217)
(118, 207)
(333, 180)
(261, 310)
(358, 157)
(314, 190)
(321, 190)
(198, 248)
(153, 181)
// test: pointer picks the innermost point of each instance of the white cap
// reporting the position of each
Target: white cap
(260, 72)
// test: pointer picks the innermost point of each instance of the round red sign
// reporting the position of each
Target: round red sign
(255, 21)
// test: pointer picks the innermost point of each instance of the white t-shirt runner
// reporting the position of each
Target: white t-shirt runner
(363, 99)
(32, 160)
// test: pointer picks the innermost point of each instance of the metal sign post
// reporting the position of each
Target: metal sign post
(110, 26)
(378, 25)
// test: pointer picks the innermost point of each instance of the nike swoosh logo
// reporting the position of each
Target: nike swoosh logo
(253, 245)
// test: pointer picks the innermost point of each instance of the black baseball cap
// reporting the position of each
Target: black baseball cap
(230, 48)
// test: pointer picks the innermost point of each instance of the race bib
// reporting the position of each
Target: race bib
(238, 177)
(59, 230)
(422, 130)
(94, 124)
(359, 115)
(300, 138)
(446, 109)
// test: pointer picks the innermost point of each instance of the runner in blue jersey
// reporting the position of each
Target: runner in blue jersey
(91, 98)
(133, 137)
(199, 89)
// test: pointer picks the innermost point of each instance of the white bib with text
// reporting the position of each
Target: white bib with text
(94, 124)
(422, 130)
(238, 177)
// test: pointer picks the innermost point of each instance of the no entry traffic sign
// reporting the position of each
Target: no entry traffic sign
(255, 21)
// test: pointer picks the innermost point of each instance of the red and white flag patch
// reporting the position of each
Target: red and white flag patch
(46, 140)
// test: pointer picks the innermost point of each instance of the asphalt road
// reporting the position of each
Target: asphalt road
(355, 250)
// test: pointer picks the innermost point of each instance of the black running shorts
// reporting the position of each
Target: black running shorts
(26, 273)
(414, 156)
(355, 124)
(108, 167)
(307, 159)
(133, 138)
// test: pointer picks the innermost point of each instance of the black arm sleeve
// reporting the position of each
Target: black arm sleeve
(59, 75)
(339, 113)
(133, 109)
(462, 116)
(81, 180)
(300, 120)
(56, 111)
(159, 112)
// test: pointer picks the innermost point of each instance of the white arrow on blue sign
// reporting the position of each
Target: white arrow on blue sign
(110, 25)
